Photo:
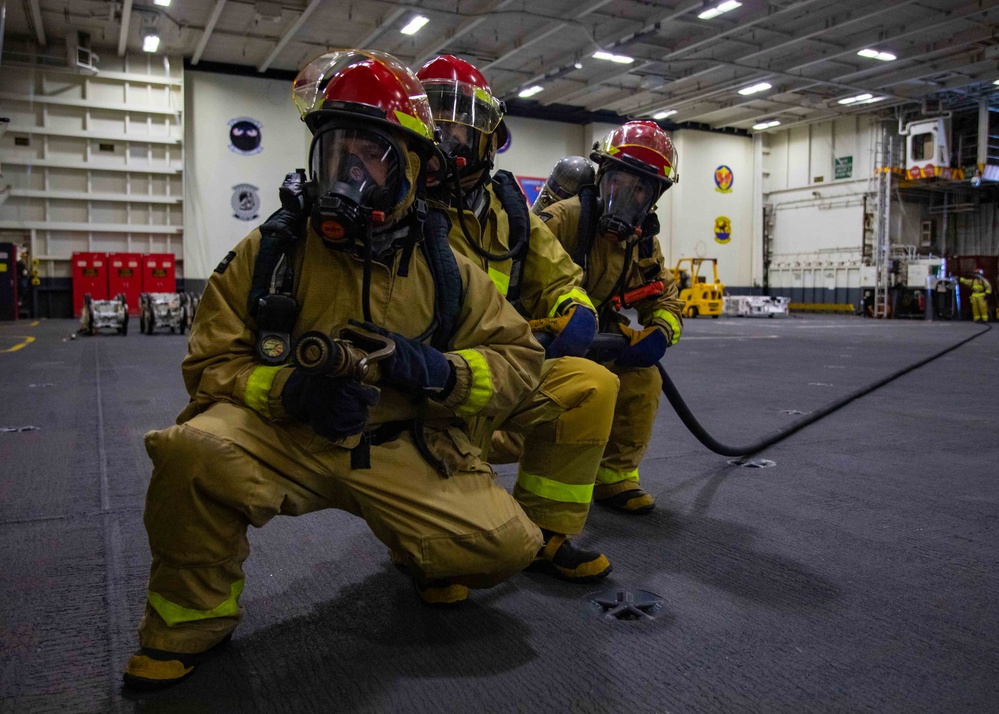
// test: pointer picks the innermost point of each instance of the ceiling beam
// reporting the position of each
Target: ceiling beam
(946, 64)
(431, 49)
(543, 32)
(825, 27)
(971, 8)
(523, 43)
(203, 42)
(607, 43)
(952, 45)
(895, 4)
(983, 56)
(289, 33)
(920, 70)
(126, 16)
(365, 43)
(762, 13)
(815, 119)
(36, 21)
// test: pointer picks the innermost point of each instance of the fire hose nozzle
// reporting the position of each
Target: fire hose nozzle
(351, 354)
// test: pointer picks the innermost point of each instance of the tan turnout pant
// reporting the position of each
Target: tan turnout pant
(634, 416)
(558, 434)
(228, 468)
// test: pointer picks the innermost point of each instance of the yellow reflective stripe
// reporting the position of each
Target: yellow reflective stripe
(413, 124)
(612, 476)
(258, 389)
(575, 294)
(670, 319)
(555, 490)
(481, 389)
(174, 614)
(500, 280)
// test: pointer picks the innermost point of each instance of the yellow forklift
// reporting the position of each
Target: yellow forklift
(700, 296)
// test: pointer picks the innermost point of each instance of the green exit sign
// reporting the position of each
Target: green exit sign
(843, 168)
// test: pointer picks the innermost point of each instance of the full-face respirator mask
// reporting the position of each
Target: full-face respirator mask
(358, 180)
(626, 199)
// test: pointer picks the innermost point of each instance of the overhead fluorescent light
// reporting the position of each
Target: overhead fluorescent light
(150, 43)
(858, 98)
(162, 3)
(663, 115)
(996, 82)
(530, 91)
(578, 65)
(414, 25)
(719, 9)
(761, 87)
(607, 56)
(875, 54)
(872, 100)
(766, 125)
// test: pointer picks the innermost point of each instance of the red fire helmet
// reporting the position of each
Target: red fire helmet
(641, 146)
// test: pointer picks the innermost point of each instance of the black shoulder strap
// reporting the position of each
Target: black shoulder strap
(587, 225)
(519, 217)
(448, 288)
(647, 243)
(273, 247)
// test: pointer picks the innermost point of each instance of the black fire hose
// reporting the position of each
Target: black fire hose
(606, 344)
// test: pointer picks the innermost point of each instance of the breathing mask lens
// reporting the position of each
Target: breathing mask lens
(458, 141)
(627, 199)
(360, 175)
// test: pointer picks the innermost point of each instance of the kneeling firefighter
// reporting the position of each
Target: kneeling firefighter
(365, 261)
(610, 231)
(559, 431)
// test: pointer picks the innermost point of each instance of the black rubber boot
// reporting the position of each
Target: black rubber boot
(435, 592)
(149, 668)
(634, 502)
(441, 593)
(561, 557)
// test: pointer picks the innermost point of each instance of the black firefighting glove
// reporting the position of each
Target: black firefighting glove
(335, 407)
(415, 366)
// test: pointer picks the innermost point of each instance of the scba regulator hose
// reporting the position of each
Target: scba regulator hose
(608, 344)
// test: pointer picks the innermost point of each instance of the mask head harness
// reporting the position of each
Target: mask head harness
(637, 165)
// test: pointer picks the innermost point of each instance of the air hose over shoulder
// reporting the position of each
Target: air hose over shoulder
(515, 249)
(587, 228)
(447, 277)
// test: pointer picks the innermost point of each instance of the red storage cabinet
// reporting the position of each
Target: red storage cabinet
(90, 275)
(125, 276)
(159, 273)
(8, 281)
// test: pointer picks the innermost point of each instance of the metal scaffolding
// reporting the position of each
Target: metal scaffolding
(889, 157)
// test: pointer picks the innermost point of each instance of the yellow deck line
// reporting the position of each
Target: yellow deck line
(15, 348)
